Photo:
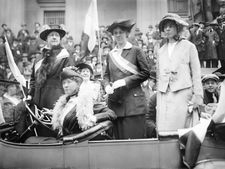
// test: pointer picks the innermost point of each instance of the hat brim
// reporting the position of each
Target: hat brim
(210, 78)
(45, 33)
(120, 25)
(83, 66)
(177, 21)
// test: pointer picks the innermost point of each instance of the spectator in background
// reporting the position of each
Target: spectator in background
(16, 49)
(212, 41)
(211, 94)
(33, 46)
(23, 33)
(10, 36)
(10, 99)
(70, 45)
(3, 58)
(106, 50)
(37, 28)
(199, 38)
(94, 60)
(87, 74)
(157, 39)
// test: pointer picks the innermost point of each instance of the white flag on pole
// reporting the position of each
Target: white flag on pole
(12, 65)
(91, 24)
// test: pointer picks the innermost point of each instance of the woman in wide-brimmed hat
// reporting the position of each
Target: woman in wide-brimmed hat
(127, 68)
(179, 79)
(45, 85)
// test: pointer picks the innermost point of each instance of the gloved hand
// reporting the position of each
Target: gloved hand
(119, 83)
(196, 101)
(28, 99)
(109, 89)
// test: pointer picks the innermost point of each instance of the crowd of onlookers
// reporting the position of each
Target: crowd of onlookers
(26, 46)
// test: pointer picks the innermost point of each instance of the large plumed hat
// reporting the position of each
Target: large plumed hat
(52, 28)
(68, 73)
(83, 66)
(125, 24)
(172, 17)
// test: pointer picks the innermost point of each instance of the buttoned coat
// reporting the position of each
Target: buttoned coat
(182, 70)
(130, 99)
(179, 82)
(46, 94)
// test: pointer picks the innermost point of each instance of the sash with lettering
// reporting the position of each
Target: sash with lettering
(123, 64)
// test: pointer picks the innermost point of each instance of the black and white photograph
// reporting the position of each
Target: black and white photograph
(112, 84)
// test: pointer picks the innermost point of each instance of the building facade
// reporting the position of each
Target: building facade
(71, 13)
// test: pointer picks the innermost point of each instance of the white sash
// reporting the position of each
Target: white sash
(121, 63)
(63, 54)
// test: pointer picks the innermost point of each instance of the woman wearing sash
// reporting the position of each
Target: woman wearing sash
(45, 85)
(127, 68)
(179, 82)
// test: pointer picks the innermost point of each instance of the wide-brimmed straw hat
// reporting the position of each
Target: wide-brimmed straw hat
(125, 24)
(52, 28)
(172, 17)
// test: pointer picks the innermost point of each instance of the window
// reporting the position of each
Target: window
(181, 7)
(54, 17)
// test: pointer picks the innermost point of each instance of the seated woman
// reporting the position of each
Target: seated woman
(76, 111)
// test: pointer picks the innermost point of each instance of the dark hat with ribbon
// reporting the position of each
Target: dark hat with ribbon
(124, 24)
(173, 17)
(83, 66)
(52, 28)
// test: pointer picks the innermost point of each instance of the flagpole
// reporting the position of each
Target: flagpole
(100, 52)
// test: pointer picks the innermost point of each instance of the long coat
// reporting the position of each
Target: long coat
(221, 45)
(46, 94)
(179, 82)
(211, 43)
(130, 99)
(128, 102)
(101, 112)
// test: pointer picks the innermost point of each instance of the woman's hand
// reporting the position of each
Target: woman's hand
(109, 89)
(196, 101)
(119, 83)
(47, 111)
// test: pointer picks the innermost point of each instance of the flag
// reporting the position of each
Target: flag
(13, 67)
(91, 24)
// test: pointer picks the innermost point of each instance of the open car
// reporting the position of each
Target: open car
(89, 149)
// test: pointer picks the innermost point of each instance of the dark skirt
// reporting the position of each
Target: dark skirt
(131, 127)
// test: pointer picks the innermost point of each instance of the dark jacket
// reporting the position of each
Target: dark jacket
(130, 99)
(101, 112)
(208, 97)
(46, 93)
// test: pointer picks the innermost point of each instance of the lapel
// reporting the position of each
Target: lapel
(125, 53)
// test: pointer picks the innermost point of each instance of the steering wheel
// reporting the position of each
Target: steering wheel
(42, 119)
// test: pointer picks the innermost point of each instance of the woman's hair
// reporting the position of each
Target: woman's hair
(179, 28)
